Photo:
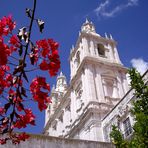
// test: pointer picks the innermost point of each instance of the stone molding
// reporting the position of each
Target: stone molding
(95, 60)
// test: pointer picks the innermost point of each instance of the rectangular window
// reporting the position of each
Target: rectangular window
(127, 127)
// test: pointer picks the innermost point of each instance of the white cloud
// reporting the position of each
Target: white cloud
(132, 2)
(140, 65)
(102, 9)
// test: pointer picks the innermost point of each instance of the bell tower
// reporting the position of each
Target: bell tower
(57, 93)
(98, 78)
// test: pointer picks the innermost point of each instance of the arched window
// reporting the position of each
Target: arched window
(101, 50)
(78, 58)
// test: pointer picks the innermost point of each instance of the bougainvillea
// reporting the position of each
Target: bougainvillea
(50, 56)
(16, 50)
(40, 96)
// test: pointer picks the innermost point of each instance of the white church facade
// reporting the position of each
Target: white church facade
(98, 95)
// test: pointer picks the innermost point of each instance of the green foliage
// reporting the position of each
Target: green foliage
(140, 109)
(140, 112)
(117, 138)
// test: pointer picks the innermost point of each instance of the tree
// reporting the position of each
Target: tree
(140, 112)
(19, 56)
(117, 138)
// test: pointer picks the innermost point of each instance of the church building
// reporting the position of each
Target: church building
(98, 95)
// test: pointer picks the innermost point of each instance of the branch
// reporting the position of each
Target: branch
(30, 29)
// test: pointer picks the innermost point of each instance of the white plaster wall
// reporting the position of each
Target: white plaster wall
(59, 128)
(39, 141)
(85, 84)
(117, 59)
(85, 45)
(91, 86)
(99, 84)
(73, 105)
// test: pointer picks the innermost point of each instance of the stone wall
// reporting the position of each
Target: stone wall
(41, 141)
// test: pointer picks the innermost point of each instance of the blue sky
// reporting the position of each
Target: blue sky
(126, 20)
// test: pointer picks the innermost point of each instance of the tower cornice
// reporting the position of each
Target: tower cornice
(93, 60)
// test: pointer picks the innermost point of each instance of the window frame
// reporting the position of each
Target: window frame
(127, 127)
